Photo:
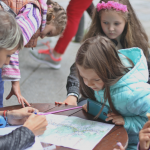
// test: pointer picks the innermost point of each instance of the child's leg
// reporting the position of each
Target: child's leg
(75, 10)
(1, 90)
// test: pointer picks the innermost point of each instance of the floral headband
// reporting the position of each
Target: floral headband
(50, 6)
(112, 4)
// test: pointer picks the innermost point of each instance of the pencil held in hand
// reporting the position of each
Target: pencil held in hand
(148, 142)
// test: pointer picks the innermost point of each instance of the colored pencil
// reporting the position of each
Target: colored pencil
(53, 112)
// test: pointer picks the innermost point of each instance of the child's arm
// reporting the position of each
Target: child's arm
(29, 20)
(11, 72)
(72, 81)
(72, 88)
(15, 90)
(70, 100)
(144, 137)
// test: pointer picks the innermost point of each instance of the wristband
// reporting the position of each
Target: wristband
(73, 94)
(5, 116)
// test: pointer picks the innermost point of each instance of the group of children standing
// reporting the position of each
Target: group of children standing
(112, 65)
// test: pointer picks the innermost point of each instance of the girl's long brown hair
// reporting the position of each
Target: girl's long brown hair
(133, 35)
(99, 53)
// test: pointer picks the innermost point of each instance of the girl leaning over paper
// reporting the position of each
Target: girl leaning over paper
(118, 83)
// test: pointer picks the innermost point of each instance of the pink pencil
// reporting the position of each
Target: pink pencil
(53, 112)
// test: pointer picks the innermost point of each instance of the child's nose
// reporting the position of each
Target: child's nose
(111, 28)
(89, 83)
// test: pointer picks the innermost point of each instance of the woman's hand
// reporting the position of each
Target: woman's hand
(116, 119)
(144, 137)
(70, 100)
(18, 117)
(84, 107)
(15, 90)
(36, 123)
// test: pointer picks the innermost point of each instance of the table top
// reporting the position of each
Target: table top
(117, 134)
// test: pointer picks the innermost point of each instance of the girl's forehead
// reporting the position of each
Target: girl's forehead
(87, 72)
(111, 15)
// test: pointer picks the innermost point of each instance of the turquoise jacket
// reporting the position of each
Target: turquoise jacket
(131, 94)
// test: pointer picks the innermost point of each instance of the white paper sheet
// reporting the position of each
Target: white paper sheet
(36, 146)
(74, 132)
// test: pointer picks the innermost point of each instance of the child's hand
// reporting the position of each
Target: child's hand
(84, 107)
(116, 119)
(70, 100)
(144, 136)
(120, 147)
(15, 90)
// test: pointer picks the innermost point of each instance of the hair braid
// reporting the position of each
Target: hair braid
(56, 15)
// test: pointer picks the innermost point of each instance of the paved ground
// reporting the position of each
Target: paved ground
(39, 83)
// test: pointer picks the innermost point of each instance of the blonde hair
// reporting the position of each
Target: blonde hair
(10, 32)
(133, 35)
(56, 15)
(99, 53)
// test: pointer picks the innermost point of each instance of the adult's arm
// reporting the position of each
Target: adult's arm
(24, 136)
(19, 139)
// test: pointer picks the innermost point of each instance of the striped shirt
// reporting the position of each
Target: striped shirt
(29, 20)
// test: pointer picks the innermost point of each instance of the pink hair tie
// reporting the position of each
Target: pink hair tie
(49, 6)
(112, 4)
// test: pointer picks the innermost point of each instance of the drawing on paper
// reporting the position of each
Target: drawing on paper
(74, 132)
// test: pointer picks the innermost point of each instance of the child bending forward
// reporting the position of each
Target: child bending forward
(118, 79)
(35, 18)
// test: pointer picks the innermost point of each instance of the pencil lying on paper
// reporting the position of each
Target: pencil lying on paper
(53, 112)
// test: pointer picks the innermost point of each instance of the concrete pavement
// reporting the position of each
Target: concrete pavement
(39, 83)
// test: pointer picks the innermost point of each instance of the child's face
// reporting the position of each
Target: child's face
(90, 78)
(5, 56)
(112, 24)
(49, 30)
